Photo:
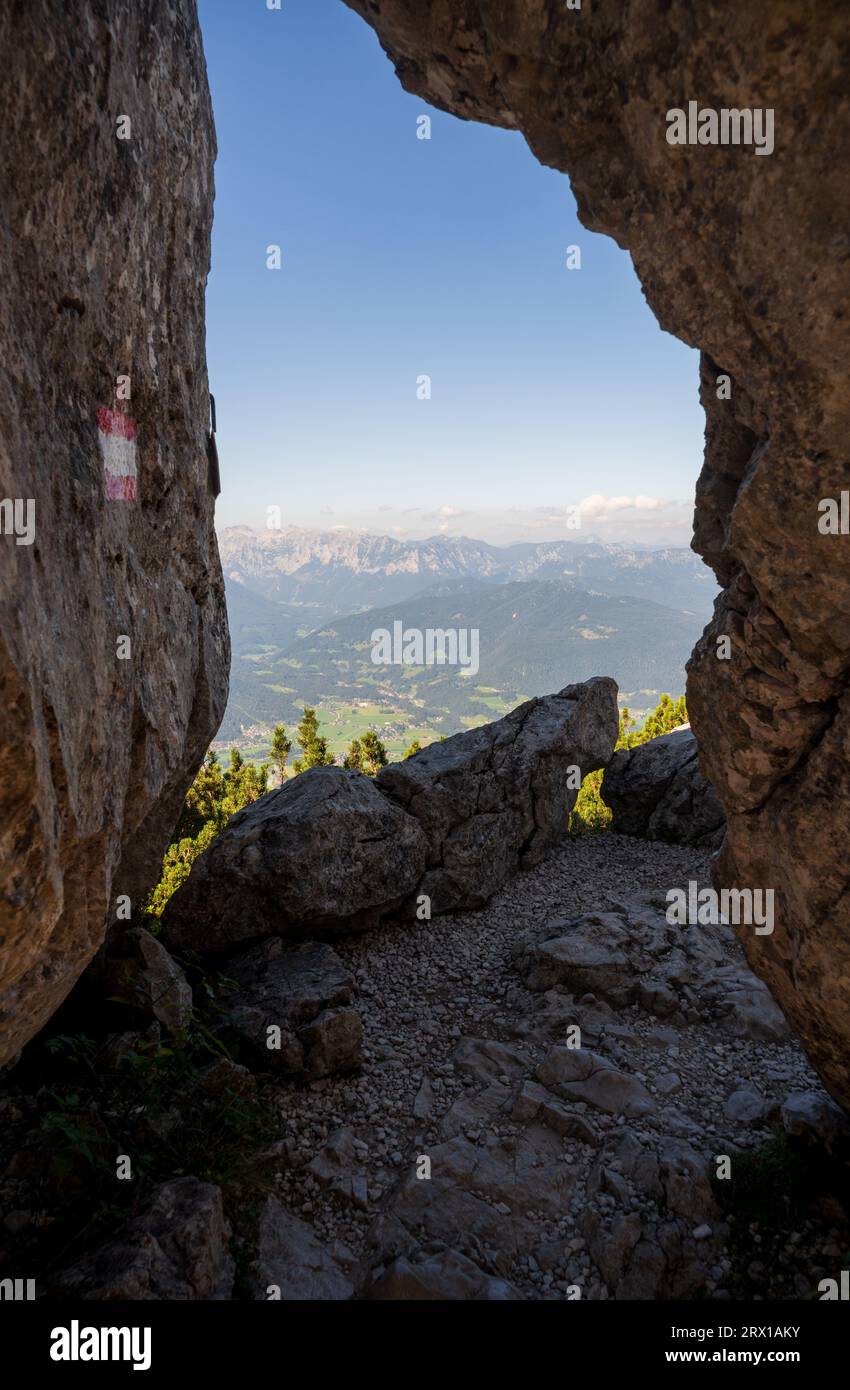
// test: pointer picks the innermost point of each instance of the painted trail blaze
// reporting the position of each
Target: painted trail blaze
(118, 446)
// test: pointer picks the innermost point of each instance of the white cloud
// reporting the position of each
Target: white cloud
(597, 507)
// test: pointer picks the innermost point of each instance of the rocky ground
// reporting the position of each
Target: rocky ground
(560, 1096)
(559, 1172)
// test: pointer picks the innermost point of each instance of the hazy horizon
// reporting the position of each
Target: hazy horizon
(494, 530)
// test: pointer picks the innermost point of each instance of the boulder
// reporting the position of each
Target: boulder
(748, 1107)
(142, 974)
(773, 717)
(338, 1168)
(176, 1248)
(815, 1119)
(304, 994)
(495, 799)
(333, 851)
(324, 854)
(105, 251)
(656, 791)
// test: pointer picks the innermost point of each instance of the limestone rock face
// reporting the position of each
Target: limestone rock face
(657, 791)
(746, 257)
(104, 247)
(326, 853)
(496, 799)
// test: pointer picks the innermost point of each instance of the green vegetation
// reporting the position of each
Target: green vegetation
(87, 1099)
(313, 746)
(367, 754)
(281, 748)
(214, 796)
(217, 794)
(590, 812)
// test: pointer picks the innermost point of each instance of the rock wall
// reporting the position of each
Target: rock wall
(748, 258)
(106, 189)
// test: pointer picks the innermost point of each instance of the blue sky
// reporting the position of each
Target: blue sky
(403, 257)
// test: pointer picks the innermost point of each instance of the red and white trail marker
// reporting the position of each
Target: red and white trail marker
(117, 434)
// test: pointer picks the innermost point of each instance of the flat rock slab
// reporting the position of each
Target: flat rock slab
(292, 1008)
(633, 955)
(484, 1195)
(293, 1265)
(576, 1074)
(495, 799)
(323, 855)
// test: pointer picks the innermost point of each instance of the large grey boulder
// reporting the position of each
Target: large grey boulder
(657, 792)
(324, 854)
(495, 799)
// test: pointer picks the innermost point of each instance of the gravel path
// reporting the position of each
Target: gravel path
(350, 1144)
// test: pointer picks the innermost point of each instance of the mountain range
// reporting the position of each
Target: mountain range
(303, 606)
(331, 572)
